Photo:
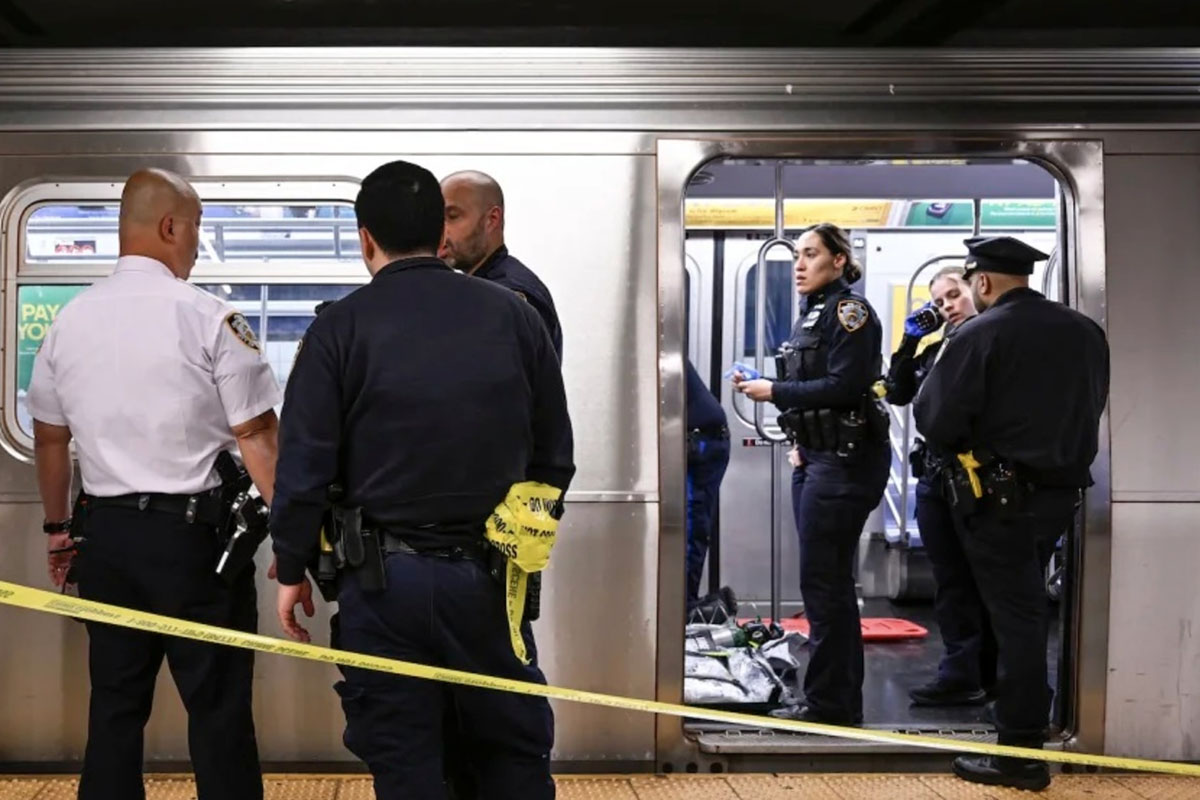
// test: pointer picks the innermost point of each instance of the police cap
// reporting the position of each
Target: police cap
(1001, 254)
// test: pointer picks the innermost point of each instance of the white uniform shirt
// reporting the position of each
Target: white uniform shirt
(150, 373)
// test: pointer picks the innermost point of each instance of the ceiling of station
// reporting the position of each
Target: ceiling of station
(775, 23)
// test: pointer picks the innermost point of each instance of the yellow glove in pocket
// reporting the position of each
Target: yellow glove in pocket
(524, 529)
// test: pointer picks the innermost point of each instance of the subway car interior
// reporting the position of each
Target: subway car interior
(907, 219)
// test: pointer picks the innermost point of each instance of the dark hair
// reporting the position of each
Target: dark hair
(838, 243)
(945, 272)
(401, 206)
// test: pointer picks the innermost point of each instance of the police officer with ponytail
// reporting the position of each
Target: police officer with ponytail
(967, 669)
(840, 430)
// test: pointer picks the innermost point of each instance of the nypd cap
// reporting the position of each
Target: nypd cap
(1001, 254)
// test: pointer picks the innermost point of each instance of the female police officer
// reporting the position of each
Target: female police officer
(968, 664)
(832, 360)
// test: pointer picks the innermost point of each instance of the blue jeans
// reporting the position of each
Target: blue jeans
(708, 457)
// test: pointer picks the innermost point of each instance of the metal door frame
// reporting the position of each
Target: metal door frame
(1078, 166)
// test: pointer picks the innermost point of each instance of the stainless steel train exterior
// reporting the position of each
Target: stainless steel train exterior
(594, 150)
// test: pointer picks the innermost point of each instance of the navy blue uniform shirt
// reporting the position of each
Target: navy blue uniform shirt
(1026, 379)
(503, 269)
(838, 337)
(703, 410)
(426, 395)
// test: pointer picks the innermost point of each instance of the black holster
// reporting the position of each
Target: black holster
(362, 548)
(326, 567)
(244, 519)
(1001, 490)
(917, 464)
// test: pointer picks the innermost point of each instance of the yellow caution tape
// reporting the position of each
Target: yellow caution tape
(523, 529)
(970, 464)
(40, 600)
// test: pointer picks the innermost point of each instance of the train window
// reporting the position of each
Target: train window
(778, 311)
(273, 250)
(261, 233)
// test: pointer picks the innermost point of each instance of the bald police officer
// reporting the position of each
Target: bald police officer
(153, 378)
(994, 405)
(474, 244)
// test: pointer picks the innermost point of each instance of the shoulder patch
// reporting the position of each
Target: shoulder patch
(242, 330)
(853, 314)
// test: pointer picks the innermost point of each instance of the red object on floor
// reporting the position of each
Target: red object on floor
(878, 629)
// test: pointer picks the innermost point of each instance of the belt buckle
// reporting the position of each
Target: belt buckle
(143, 501)
(190, 512)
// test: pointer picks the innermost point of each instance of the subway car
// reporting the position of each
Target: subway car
(655, 192)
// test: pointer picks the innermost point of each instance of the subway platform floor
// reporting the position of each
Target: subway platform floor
(807, 786)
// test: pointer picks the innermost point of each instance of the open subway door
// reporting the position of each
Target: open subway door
(906, 220)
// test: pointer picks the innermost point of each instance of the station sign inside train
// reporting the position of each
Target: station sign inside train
(750, 213)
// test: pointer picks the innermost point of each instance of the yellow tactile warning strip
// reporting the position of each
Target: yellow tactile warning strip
(682, 787)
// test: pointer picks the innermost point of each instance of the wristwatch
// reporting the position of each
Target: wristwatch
(57, 527)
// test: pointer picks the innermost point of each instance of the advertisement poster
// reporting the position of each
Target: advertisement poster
(37, 307)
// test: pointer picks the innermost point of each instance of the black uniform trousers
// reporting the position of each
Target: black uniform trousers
(450, 613)
(831, 499)
(1008, 556)
(969, 655)
(162, 564)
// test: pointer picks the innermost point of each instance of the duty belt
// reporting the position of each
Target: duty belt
(205, 508)
(393, 543)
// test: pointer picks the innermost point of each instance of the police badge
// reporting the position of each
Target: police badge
(242, 330)
(852, 314)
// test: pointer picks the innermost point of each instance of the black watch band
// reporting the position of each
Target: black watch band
(56, 527)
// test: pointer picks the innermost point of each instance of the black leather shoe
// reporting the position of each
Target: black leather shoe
(806, 713)
(938, 693)
(1016, 773)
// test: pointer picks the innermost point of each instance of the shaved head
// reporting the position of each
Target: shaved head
(478, 184)
(474, 219)
(150, 192)
(160, 219)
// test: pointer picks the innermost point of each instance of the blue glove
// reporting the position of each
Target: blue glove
(750, 373)
(924, 321)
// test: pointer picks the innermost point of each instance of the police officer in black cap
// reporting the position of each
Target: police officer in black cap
(994, 404)
(436, 403)
(832, 360)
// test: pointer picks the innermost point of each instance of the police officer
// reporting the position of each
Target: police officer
(153, 378)
(707, 460)
(994, 404)
(842, 435)
(427, 396)
(474, 244)
(968, 665)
